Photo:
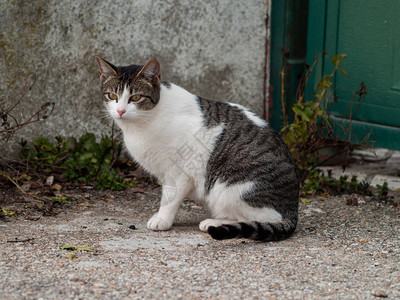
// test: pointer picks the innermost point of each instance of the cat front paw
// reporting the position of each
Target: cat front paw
(156, 222)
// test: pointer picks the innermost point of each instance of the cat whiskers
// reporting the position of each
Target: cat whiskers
(105, 115)
(143, 116)
(142, 119)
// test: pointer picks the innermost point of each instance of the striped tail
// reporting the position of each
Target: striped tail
(254, 230)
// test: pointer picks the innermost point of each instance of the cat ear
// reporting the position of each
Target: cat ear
(151, 70)
(106, 69)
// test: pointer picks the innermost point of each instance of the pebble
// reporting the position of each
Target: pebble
(380, 294)
(50, 180)
(26, 187)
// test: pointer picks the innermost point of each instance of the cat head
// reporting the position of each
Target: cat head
(131, 91)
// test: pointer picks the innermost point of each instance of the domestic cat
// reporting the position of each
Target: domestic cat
(219, 153)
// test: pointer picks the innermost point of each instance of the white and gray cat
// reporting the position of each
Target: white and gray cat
(219, 153)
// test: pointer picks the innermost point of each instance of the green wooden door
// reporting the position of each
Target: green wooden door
(369, 33)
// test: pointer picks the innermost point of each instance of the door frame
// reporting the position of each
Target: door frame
(288, 31)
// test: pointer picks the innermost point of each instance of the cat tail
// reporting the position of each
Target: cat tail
(254, 230)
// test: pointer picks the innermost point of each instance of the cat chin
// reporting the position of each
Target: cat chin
(118, 118)
(125, 119)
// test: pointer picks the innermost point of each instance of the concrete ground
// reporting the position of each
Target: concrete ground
(339, 251)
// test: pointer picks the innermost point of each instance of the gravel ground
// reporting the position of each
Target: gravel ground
(339, 251)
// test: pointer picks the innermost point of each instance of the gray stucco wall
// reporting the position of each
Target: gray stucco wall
(212, 48)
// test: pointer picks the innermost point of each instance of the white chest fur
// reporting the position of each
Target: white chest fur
(173, 139)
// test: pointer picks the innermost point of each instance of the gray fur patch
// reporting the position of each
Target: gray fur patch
(166, 84)
(246, 152)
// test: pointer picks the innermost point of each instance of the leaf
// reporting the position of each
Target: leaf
(56, 187)
(7, 211)
(63, 199)
(72, 248)
(305, 200)
(68, 247)
(85, 249)
(86, 156)
(25, 177)
(343, 71)
(335, 60)
(71, 255)
(85, 204)
(301, 111)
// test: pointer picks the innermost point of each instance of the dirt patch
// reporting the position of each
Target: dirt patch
(36, 199)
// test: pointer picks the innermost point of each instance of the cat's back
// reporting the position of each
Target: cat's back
(243, 129)
(248, 149)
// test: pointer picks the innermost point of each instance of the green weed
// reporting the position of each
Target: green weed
(383, 191)
(317, 182)
(72, 248)
(7, 212)
(313, 130)
(84, 160)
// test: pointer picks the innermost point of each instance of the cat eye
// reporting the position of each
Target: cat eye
(112, 96)
(135, 98)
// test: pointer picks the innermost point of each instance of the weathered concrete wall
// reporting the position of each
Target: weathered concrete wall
(215, 49)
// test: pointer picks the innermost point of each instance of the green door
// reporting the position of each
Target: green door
(369, 33)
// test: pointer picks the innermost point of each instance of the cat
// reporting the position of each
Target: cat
(219, 153)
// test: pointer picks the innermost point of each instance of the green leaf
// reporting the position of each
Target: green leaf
(7, 211)
(68, 247)
(343, 71)
(305, 200)
(72, 248)
(83, 160)
(63, 199)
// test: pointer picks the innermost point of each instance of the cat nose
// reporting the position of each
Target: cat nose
(121, 112)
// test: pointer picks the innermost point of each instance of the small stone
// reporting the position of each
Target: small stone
(26, 187)
(50, 180)
(352, 201)
(56, 187)
(380, 294)
(132, 227)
